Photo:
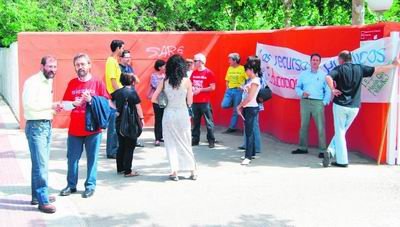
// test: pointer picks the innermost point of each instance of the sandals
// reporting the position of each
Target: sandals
(132, 174)
(174, 177)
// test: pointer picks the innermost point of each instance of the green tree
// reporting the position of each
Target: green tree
(173, 15)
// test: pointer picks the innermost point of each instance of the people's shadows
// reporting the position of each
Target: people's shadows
(274, 153)
(123, 220)
(20, 203)
(26, 206)
(254, 220)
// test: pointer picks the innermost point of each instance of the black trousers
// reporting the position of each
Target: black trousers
(250, 114)
(125, 154)
(200, 110)
(158, 115)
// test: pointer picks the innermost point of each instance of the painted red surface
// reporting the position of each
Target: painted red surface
(281, 117)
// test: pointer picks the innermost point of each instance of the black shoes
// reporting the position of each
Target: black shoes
(211, 143)
(48, 208)
(67, 191)
(339, 165)
(230, 130)
(327, 159)
(241, 148)
(87, 193)
(112, 156)
(174, 177)
(299, 151)
(52, 199)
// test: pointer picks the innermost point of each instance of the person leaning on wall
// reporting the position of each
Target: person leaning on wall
(235, 79)
(346, 102)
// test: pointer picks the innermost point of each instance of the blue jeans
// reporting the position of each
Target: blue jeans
(74, 151)
(342, 119)
(232, 98)
(112, 137)
(257, 135)
(250, 114)
(38, 134)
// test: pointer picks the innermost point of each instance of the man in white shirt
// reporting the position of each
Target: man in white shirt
(37, 98)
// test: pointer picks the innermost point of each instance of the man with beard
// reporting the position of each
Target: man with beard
(37, 99)
(80, 91)
(126, 67)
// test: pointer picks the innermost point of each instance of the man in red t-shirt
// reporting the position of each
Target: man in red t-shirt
(203, 82)
(80, 91)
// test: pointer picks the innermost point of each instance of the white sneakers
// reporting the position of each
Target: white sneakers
(246, 161)
(252, 157)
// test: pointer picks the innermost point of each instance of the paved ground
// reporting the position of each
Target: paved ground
(278, 189)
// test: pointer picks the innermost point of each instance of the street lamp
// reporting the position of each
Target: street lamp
(379, 6)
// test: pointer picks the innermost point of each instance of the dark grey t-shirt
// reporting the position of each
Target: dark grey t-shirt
(348, 78)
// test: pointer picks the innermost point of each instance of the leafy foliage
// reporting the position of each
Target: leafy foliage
(173, 15)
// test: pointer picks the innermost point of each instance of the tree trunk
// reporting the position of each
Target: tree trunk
(288, 7)
(234, 23)
(357, 16)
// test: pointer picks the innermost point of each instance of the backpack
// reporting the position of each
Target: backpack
(131, 126)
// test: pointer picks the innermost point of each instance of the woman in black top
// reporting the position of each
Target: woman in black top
(126, 144)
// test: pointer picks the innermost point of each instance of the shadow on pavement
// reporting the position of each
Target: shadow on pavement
(254, 221)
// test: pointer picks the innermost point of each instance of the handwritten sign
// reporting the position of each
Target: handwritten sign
(281, 67)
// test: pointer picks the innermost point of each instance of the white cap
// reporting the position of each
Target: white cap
(200, 57)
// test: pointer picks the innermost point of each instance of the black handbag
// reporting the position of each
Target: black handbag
(131, 125)
(264, 94)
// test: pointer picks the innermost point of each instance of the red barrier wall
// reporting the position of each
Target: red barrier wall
(281, 117)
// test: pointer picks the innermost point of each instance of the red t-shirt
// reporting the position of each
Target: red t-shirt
(74, 90)
(202, 79)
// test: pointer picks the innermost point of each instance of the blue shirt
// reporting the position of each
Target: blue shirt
(315, 85)
(126, 69)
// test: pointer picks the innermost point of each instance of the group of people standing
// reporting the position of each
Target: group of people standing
(187, 85)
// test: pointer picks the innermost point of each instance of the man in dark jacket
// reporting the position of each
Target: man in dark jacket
(97, 114)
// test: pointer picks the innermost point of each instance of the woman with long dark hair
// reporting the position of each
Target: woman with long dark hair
(157, 77)
(126, 144)
(176, 120)
(249, 107)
